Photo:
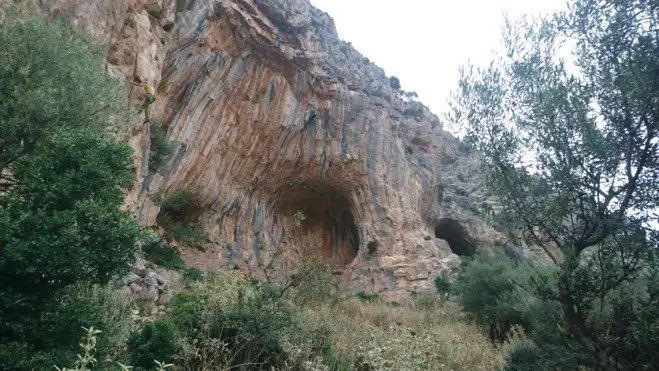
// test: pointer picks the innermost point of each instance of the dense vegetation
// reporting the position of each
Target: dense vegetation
(571, 148)
(62, 183)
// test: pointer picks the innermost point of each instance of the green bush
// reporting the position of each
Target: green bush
(159, 252)
(461, 191)
(179, 206)
(525, 357)
(106, 308)
(153, 341)
(372, 247)
(498, 292)
(413, 112)
(323, 345)
(369, 298)
(631, 321)
(529, 356)
(178, 214)
(313, 279)
(193, 274)
(442, 284)
(245, 323)
(191, 235)
(502, 294)
(130, 22)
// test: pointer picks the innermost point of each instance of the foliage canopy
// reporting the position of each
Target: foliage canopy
(62, 185)
(572, 151)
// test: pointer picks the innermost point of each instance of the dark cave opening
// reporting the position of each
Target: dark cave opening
(328, 217)
(456, 236)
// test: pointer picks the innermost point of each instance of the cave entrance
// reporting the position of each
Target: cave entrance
(457, 237)
(329, 218)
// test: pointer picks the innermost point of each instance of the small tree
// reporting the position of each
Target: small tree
(574, 158)
(394, 82)
(409, 96)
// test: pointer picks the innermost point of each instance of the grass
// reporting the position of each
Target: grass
(409, 336)
(338, 332)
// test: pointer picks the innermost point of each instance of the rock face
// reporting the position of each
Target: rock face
(273, 113)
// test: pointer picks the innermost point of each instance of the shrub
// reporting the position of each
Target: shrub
(525, 357)
(369, 298)
(372, 247)
(409, 340)
(413, 112)
(497, 291)
(529, 356)
(397, 335)
(86, 360)
(461, 191)
(193, 274)
(177, 214)
(312, 280)
(105, 307)
(159, 252)
(153, 341)
(179, 206)
(408, 95)
(130, 22)
(325, 347)
(394, 82)
(191, 235)
(244, 323)
(442, 284)
(502, 294)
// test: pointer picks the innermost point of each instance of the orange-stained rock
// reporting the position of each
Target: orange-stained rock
(272, 113)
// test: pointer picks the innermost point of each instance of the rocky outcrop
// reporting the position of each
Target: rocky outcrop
(273, 113)
(153, 289)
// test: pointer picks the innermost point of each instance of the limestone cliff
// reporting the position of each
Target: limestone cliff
(273, 113)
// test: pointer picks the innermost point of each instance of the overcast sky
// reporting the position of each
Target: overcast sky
(424, 42)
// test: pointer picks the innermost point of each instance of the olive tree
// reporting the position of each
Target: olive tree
(570, 145)
(51, 78)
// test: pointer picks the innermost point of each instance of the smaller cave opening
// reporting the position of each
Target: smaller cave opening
(456, 236)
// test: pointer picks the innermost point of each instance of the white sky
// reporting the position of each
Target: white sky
(424, 42)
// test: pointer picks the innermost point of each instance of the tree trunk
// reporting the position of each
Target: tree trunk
(577, 326)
